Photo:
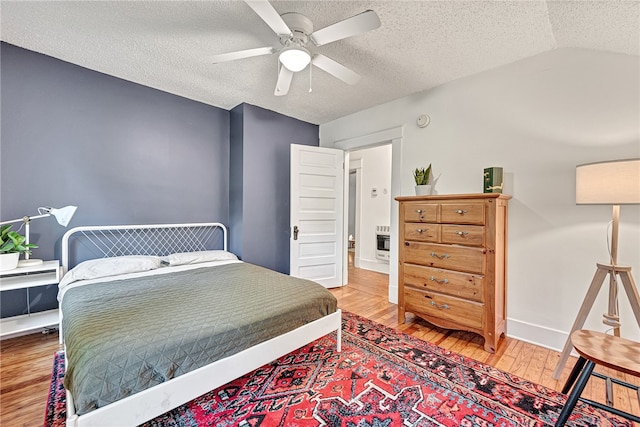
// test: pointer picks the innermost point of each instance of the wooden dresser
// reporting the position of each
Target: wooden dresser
(452, 255)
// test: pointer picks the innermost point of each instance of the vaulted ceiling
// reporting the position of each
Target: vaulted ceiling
(167, 45)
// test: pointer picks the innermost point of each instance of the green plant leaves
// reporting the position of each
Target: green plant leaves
(12, 241)
(422, 176)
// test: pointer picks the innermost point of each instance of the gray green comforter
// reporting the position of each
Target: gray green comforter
(128, 335)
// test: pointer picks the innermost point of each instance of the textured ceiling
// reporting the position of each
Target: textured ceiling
(420, 45)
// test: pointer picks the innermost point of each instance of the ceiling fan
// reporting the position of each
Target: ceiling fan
(295, 31)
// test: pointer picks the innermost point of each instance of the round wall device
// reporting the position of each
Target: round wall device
(423, 121)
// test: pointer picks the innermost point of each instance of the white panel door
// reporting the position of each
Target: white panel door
(317, 186)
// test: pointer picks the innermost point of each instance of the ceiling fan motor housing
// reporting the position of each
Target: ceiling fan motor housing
(300, 26)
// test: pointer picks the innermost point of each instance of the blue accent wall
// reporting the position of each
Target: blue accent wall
(260, 181)
(122, 152)
(236, 175)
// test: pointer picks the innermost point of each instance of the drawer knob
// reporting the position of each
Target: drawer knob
(462, 233)
(433, 279)
(443, 306)
(420, 230)
(461, 212)
(444, 256)
(419, 211)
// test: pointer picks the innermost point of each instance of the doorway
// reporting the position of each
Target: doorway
(369, 207)
(394, 137)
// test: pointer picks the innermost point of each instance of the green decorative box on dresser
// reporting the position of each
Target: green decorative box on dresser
(453, 262)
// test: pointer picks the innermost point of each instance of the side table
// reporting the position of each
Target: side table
(47, 273)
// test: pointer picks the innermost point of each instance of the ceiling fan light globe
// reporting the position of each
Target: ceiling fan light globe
(295, 58)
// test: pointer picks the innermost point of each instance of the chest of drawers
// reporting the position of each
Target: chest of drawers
(452, 255)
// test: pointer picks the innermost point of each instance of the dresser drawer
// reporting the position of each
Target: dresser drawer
(462, 285)
(462, 213)
(467, 259)
(422, 232)
(472, 235)
(421, 212)
(452, 309)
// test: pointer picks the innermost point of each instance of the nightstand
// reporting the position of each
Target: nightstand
(47, 273)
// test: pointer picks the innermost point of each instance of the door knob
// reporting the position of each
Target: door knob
(295, 232)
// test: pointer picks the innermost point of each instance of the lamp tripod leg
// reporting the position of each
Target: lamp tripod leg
(589, 299)
(632, 293)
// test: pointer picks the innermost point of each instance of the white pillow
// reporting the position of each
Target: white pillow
(105, 267)
(183, 258)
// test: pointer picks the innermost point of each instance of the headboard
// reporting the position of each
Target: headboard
(90, 242)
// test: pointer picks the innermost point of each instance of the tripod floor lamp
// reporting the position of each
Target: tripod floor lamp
(611, 183)
(62, 215)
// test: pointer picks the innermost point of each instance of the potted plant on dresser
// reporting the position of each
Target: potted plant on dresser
(422, 177)
(12, 244)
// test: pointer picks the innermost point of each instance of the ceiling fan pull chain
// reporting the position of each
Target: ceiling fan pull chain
(310, 76)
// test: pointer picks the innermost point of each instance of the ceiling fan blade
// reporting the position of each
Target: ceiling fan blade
(232, 56)
(358, 24)
(284, 81)
(265, 10)
(335, 69)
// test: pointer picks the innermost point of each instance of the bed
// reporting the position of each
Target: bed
(153, 316)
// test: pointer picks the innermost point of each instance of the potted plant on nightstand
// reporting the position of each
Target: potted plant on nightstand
(12, 244)
(423, 180)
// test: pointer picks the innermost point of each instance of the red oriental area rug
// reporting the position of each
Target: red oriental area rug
(381, 378)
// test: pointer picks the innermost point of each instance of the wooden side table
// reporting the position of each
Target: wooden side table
(607, 350)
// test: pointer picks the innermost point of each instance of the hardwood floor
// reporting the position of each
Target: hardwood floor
(25, 371)
(26, 362)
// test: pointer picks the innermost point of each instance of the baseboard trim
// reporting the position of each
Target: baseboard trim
(374, 266)
(531, 333)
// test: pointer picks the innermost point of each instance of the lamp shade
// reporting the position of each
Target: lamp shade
(615, 182)
(63, 215)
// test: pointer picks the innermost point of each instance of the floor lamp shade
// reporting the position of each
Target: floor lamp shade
(615, 182)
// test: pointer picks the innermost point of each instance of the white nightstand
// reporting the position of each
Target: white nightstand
(47, 273)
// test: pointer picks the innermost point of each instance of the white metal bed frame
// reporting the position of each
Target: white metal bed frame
(110, 241)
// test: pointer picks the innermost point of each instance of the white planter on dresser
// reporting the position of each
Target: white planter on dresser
(47, 273)
(452, 262)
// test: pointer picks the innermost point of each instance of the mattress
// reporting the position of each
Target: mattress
(124, 336)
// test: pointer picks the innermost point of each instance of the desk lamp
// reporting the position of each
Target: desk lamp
(62, 215)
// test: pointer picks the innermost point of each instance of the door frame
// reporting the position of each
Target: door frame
(394, 136)
(355, 165)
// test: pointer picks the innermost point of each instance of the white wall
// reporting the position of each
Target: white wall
(537, 118)
(375, 210)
